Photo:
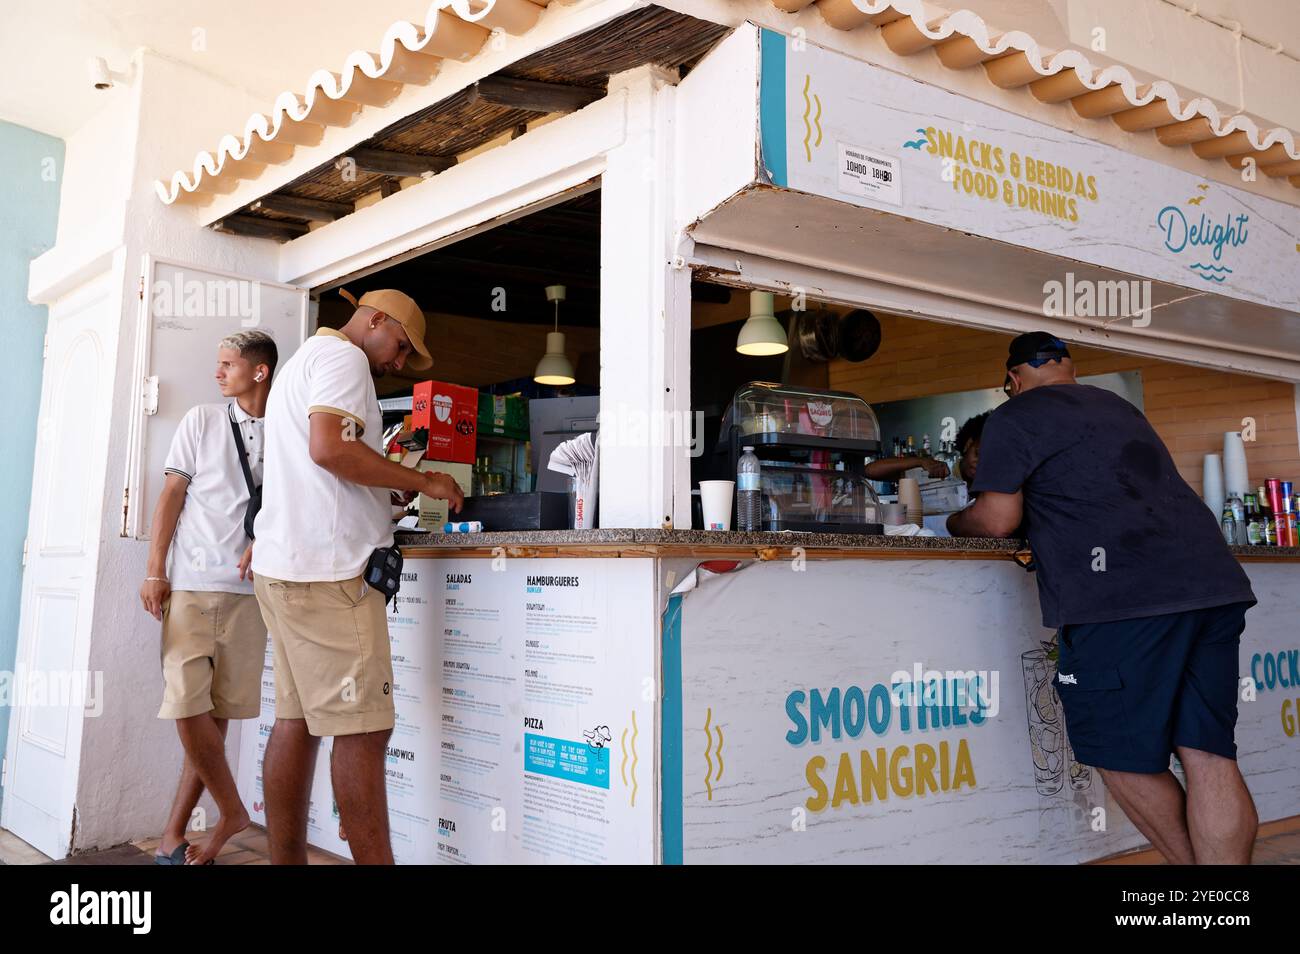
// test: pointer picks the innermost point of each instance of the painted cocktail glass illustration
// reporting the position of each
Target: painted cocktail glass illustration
(1048, 743)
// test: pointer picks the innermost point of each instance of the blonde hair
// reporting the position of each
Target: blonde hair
(255, 346)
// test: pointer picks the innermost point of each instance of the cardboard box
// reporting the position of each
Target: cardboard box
(433, 512)
(450, 413)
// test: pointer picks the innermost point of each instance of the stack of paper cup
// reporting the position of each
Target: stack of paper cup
(1235, 481)
(909, 495)
(1212, 484)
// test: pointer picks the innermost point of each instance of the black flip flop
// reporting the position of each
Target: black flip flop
(177, 857)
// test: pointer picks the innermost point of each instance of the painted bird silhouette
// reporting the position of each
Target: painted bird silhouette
(918, 143)
(1197, 201)
(1203, 187)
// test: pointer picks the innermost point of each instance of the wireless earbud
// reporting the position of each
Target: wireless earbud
(258, 376)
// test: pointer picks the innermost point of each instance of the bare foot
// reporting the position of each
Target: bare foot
(226, 829)
(170, 842)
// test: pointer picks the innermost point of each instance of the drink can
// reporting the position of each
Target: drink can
(1288, 501)
(1273, 494)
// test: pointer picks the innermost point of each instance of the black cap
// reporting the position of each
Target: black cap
(1035, 344)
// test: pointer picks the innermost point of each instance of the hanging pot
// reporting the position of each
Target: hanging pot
(858, 335)
(818, 334)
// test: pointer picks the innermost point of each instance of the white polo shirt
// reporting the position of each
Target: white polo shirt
(312, 525)
(210, 538)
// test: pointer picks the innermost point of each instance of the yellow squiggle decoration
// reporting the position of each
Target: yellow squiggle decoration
(634, 757)
(622, 768)
(807, 108)
(708, 752)
(818, 119)
(719, 775)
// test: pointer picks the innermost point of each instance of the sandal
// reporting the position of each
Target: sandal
(177, 857)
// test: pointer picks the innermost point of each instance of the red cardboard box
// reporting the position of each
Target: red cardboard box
(450, 412)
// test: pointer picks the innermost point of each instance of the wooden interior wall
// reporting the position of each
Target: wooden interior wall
(477, 351)
(1190, 407)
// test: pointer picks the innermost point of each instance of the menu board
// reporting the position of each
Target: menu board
(524, 695)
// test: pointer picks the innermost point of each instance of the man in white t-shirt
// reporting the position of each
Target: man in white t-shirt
(325, 509)
(213, 637)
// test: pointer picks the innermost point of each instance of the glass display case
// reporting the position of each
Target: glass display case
(812, 447)
(776, 414)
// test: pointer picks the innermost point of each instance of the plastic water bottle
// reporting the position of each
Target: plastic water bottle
(749, 492)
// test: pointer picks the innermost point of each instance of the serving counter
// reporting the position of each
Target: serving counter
(641, 696)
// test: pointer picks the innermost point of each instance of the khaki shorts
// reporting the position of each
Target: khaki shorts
(213, 652)
(333, 660)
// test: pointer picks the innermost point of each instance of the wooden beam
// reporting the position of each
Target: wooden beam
(314, 210)
(532, 95)
(260, 228)
(385, 163)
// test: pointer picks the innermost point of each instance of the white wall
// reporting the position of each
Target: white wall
(129, 759)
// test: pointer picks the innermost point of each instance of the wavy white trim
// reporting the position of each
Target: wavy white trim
(294, 107)
(940, 24)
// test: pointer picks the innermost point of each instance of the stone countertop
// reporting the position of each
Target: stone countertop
(711, 538)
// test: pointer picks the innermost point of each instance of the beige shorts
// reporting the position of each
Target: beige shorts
(333, 660)
(213, 652)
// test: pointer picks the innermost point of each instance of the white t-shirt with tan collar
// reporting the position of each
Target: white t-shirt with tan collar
(314, 526)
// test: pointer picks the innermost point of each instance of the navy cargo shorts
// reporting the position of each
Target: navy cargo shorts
(1134, 689)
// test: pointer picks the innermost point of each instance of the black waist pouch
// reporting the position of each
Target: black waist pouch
(384, 571)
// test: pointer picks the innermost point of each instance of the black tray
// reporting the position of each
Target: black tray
(540, 510)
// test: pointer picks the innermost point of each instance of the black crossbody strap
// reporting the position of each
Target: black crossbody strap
(243, 455)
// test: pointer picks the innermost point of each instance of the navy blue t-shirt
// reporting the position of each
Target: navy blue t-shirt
(1096, 475)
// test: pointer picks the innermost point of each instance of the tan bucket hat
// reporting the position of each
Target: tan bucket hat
(401, 308)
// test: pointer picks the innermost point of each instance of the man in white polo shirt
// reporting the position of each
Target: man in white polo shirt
(213, 637)
(326, 508)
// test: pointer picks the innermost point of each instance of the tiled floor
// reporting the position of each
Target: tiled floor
(1278, 844)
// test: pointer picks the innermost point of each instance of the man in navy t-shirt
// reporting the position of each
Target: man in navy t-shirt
(1149, 602)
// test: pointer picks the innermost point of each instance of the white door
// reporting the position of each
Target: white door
(50, 692)
(184, 311)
